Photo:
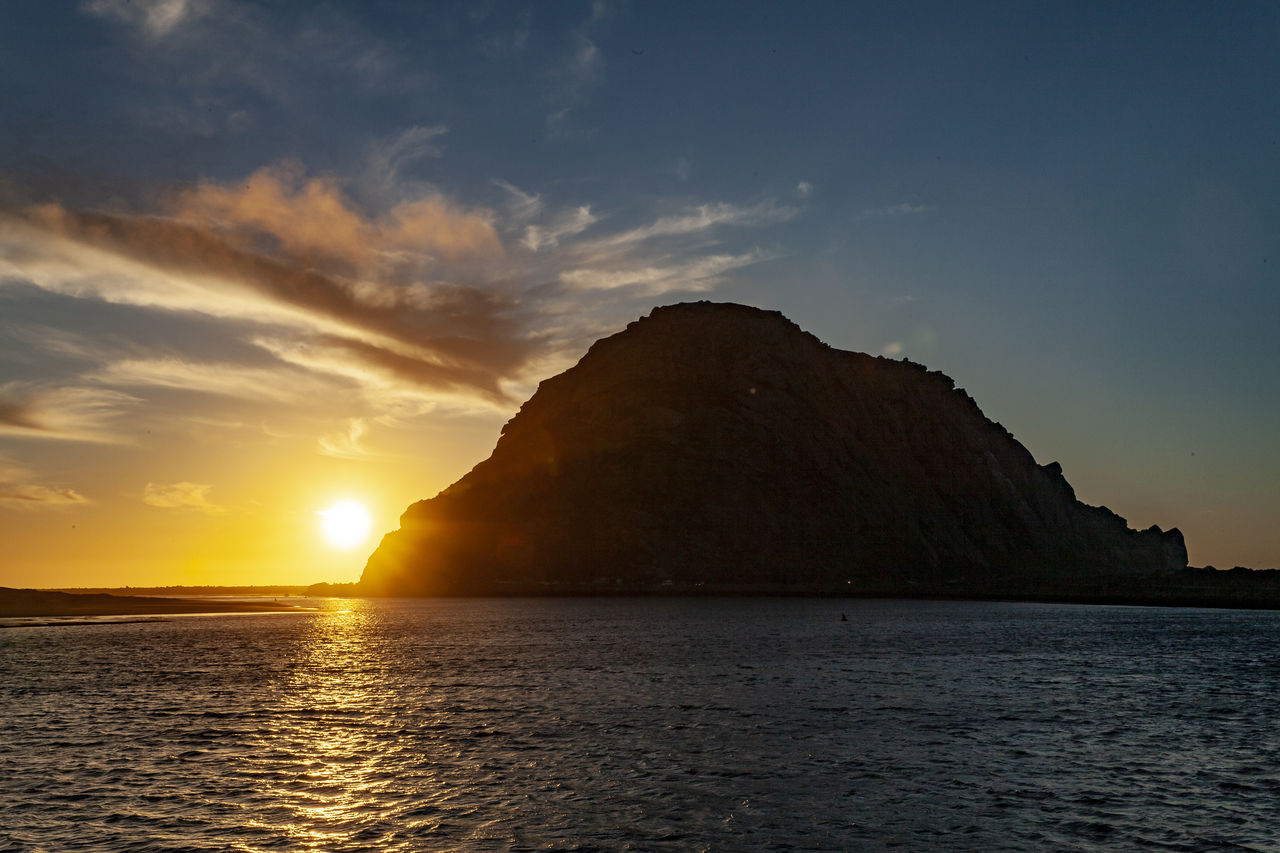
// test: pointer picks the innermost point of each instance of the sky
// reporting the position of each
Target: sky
(259, 258)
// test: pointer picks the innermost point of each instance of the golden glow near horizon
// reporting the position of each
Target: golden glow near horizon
(241, 511)
(346, 524)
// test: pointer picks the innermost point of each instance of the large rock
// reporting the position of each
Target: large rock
(721, 445)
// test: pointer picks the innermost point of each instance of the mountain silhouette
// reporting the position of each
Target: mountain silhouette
(719, 447)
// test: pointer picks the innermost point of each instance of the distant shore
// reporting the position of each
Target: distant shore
(314, 590)
(39, 602)
(1193, 587)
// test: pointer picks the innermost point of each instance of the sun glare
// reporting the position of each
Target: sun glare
(346, 524)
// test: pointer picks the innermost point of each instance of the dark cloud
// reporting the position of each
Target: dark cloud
(416, 371)
(422, 298)
(445, 336)
(69, 412)
(18, 492)
(18, 414)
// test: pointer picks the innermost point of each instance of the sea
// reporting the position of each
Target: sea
(678, 724)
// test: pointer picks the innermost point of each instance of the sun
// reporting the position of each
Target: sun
(346, 524)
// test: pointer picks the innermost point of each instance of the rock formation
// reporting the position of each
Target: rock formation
(720, 447)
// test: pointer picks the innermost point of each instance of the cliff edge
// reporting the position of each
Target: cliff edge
(721, 447)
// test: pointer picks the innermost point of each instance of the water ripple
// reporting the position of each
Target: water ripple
(645, 725)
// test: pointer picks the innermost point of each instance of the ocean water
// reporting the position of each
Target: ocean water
(644, 724)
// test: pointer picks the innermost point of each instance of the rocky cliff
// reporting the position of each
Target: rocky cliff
(718, 446)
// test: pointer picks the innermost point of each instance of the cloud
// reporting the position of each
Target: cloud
(16, 492)
(433, 225)
(697, 275)
(895, 211)
(583, 66)
(61, 413)
(184, 495)
(511, 39)
(35, 496)
(383, 373)
(155, 18)
(231, 380)
(349, 443)
(410, 145)
(587, 64)
(388, 160)
(521, 206)
(39, 337)
(567, 224)
(419, 303)
(313, 217)
(18, 414)
(456, 331)
(561, 124)
(579, 72)
(208, 45)
(326, 38)
(700, 219)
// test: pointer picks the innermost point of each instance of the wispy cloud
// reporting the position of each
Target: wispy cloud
(327, 36)
(700, 274)
(61, 413)
(567, 224)
(581, 71)
(154, 18)
(348, 443)
(521, 206)
(388, 379)
(211, 46)
(587, 63)
(183, 495)
(388, 161)
(424, 302)
(562, 125)
(699, 220)
(204, 261)
(18, 492)
(50, 340)
(512, 36)
(895, 211)
(230, 380)
(36, 496)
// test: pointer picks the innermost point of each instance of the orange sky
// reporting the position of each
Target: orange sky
(244, 514)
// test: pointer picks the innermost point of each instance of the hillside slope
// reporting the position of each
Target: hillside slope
(721, 445)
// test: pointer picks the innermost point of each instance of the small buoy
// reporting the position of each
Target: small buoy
(844, 618)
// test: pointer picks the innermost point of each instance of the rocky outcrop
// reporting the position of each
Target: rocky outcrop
(718, 446)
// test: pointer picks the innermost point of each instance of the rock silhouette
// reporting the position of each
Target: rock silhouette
(719, 447)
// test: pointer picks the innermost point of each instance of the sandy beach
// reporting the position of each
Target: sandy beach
(35, 602)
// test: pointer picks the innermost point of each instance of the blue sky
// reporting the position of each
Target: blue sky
(335, 245)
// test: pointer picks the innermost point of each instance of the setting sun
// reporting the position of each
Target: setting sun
(346, 524)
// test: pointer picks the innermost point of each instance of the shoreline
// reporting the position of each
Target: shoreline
(33, 603)
(40, 603)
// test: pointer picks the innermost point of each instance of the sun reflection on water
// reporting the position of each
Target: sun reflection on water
(334, 713)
